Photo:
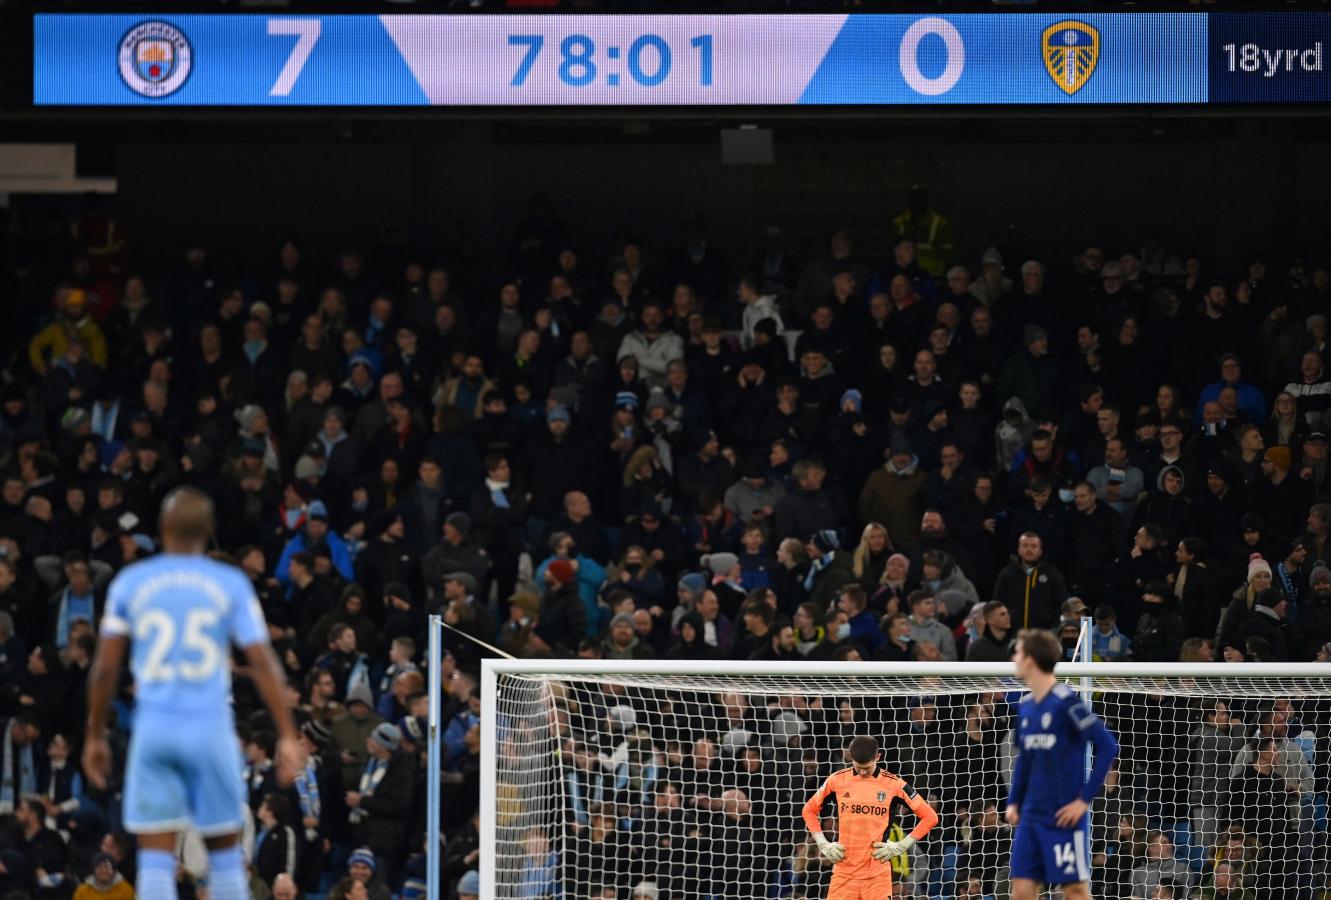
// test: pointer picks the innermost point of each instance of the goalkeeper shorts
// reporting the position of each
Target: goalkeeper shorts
(876, 888)
(1049, 854)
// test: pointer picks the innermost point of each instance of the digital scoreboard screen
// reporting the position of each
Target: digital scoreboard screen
(1014, 59)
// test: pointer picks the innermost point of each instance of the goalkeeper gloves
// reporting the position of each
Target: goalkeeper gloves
(883, 851)
(833, 853)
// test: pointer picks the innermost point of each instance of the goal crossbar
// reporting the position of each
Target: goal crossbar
(729, 668)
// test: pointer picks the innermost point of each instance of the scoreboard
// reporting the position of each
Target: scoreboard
(543, 60)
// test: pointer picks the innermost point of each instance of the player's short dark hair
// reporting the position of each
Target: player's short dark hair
(1041, 645)
(863, 749)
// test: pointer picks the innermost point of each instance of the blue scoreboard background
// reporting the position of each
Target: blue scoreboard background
(1020, 59)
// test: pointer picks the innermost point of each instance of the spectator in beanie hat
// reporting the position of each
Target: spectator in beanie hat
(1268, 621)
(362, 867)
(1315, 621)
(894, 493)
(562, 611)
(622, 641)
(830, 567)
(381, 804)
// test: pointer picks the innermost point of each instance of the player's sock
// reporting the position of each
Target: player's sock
(157, 875)
(226, 875)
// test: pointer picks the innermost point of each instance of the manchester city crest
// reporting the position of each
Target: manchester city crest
(1070, 49)
(155, 59)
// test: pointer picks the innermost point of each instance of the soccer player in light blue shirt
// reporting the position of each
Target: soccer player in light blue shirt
(1051, 794)
(177, 616)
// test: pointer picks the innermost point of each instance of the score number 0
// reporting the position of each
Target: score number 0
(306, 32)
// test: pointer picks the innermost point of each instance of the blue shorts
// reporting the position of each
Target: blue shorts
(184, 772)
(1049, 854)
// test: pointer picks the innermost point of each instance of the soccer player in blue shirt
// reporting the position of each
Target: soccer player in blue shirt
(1051, 795)
(177, 615)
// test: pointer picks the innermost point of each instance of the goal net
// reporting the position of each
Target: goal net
(604, 780)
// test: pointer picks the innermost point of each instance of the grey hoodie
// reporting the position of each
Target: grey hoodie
(1146, 876)
(936, 633)
(744, 501)
(1160, 478)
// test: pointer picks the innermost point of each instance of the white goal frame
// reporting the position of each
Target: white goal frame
(492, 669)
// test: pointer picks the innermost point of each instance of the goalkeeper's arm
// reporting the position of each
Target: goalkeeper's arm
(832, 851)
(926, 819)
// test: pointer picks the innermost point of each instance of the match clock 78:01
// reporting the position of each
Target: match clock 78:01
(646, 61)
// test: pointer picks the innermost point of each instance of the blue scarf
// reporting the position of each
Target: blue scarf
(817, 566)
(1291, 592)
(374, 772)
(497, 495)
(27, 772)
(104, 420)
(307, 790)
(72, 609)
(360, 671)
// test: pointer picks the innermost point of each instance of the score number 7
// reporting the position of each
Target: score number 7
(306, 32)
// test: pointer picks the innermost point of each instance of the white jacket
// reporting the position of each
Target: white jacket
(762, 308)
(653, 356)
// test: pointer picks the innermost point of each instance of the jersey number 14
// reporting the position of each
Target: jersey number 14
(1065, 857)
(202, 656)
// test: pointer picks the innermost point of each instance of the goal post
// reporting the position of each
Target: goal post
(684, 779)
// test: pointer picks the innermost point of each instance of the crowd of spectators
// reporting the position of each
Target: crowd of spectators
(651, 449)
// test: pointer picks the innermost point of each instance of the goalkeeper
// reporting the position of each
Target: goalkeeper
(864, 794)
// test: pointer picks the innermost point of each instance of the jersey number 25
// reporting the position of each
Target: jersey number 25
(158, 629)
